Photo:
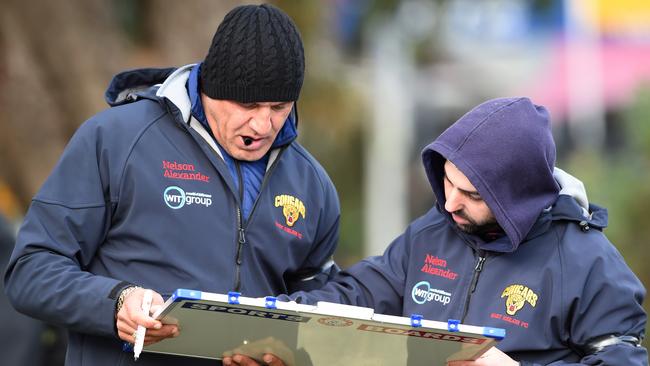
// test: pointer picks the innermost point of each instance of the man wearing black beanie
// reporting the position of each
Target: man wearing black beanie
(193, 179)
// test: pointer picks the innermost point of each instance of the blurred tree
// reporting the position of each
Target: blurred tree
(54, 65)
(619, 181)
(331, 118)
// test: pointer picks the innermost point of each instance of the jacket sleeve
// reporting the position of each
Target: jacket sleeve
(64, 227)
(320, 266)
(604, 300)
(375, 282)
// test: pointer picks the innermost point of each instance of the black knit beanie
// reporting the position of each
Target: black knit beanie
(256, 56)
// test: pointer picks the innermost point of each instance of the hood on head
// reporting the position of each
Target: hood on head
(506, 150)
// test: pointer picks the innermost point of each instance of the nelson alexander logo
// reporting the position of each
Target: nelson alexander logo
(175, 170)
(176, 198)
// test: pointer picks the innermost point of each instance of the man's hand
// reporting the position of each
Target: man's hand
(493, 357)
(131, 315)
(241, 360)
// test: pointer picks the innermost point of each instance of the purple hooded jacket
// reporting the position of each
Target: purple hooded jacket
(579, 293)
(518, 185)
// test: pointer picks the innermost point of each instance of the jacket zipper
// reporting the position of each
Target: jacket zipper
(267, 174)
(477, 272)
(241, 237)
(241, 227)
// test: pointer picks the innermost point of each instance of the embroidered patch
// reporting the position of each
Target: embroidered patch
(175, 198)
(517, 296)
(437, 267)
(174, 170)
(292, 208)
(422, 293)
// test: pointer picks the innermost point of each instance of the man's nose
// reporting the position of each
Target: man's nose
(261, 121)
(454, 201)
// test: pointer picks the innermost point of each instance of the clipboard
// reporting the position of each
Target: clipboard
(213, 326)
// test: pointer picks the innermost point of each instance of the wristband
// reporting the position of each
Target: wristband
(120, 299)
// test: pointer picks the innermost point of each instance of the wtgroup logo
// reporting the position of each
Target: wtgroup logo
(422, 292)
(175, 198)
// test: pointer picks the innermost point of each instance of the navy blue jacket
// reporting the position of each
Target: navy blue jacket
(141, 196)
(553, 281)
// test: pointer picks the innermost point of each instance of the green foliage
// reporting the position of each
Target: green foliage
(621, 182)
(330, 127)
(330, 123)
(129, 15)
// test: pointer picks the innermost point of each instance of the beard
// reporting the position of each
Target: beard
(479, 228)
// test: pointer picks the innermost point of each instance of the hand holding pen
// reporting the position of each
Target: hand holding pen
(141, 330)
(131, 316)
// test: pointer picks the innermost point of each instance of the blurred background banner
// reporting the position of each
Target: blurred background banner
(383, 78)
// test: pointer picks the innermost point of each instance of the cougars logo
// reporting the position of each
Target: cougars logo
(292, 208)
(517, 296)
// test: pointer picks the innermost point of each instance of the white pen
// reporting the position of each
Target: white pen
(140, 332)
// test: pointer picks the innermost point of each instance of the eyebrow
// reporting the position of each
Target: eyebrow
(251, 104)
(469, 193)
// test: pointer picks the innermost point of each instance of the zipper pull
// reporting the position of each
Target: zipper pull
(241, 241)
(477, 272)
(479, 264)
(242, 236)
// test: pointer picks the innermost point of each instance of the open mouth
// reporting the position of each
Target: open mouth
(459, 219)
(251, 142)
(248, 140)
